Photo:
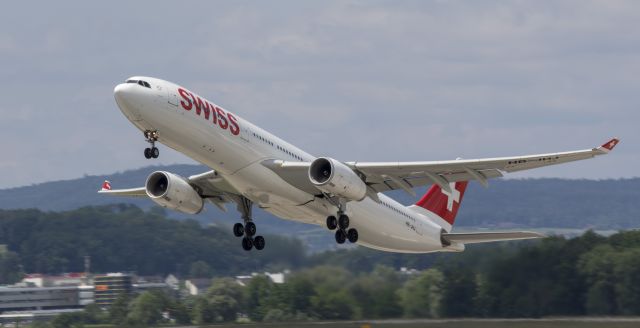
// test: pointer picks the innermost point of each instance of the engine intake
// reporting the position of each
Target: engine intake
(334, 177)
(174, 192)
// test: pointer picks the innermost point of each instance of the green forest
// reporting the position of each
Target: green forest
(587, 275)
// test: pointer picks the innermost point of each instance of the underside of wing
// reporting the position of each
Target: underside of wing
(486, 237)
(385, 176)
(294, 173)
(209, 185)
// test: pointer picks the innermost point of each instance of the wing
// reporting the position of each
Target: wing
(384, 176)
(485, 237)
(210, 185)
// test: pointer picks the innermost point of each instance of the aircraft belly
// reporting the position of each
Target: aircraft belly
(302, 214)
(381, 229)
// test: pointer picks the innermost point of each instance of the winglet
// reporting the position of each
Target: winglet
(106, 185)
(609, 145)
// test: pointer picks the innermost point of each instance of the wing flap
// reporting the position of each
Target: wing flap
(416, 179)
(486, 237)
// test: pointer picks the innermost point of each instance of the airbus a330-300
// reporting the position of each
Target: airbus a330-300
(250, 166)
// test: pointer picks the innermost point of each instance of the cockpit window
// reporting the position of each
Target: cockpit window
(140, 82)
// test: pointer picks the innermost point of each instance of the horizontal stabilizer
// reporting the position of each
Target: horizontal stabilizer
(133, 192)
(485, 237)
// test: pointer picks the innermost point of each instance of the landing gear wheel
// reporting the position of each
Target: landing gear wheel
(258, 242)
(238, 229)
(147, 153)
(352, 235)
(250, 228)
(151, 137)
(332, 222)
(343, 222)
(340, 236)
(247, 243)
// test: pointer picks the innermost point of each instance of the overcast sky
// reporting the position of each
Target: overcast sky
(357, 80)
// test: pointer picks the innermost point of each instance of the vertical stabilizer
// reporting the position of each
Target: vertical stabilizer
(441, 206)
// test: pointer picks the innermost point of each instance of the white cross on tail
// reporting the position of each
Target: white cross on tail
(451, 197)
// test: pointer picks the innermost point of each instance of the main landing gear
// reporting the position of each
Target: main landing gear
(341, 225)
(248, 230)
(151, 137)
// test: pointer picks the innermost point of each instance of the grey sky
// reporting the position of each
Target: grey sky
(358, 80)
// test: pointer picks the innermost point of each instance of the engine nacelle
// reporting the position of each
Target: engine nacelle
(172, 191)
(336, 178)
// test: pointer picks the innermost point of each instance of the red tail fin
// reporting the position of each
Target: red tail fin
(443, 203)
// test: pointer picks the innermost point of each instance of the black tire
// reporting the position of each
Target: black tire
(332, 222)
(258, 242)
(343, 222)
(147, 153)
(238, 230)
(250, 229)
(341, 237)
(155, 152)
(247, 243)
(352, 235)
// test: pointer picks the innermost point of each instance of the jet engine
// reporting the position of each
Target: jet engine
(336, 178)
(173, 191)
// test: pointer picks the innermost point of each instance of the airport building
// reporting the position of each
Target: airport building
(41, 297)
(45, 298)
(110, 286)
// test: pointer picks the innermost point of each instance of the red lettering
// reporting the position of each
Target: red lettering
(215, 117)
(203, 106)
(222, 118)
(183, 93)
(219, 116)
(193, 100)
(234, 128)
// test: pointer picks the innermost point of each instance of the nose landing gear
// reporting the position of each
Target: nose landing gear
(151, 137)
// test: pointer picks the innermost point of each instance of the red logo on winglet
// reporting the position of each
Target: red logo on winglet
(106, 185)
(610, 144)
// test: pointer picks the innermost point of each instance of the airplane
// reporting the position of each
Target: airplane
(252, 166)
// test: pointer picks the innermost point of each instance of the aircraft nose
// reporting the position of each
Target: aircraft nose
(122, 92)
(125, 98)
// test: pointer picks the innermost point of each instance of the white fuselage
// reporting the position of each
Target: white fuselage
(235, 148)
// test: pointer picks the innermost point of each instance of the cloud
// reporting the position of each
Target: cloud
(358, 80)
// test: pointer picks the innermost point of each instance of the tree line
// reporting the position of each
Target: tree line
(126, 238)
(587, 275)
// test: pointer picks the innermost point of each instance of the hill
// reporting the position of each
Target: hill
(525, 203)
(125, 238)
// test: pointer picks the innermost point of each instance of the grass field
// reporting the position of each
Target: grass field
(467, 323)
